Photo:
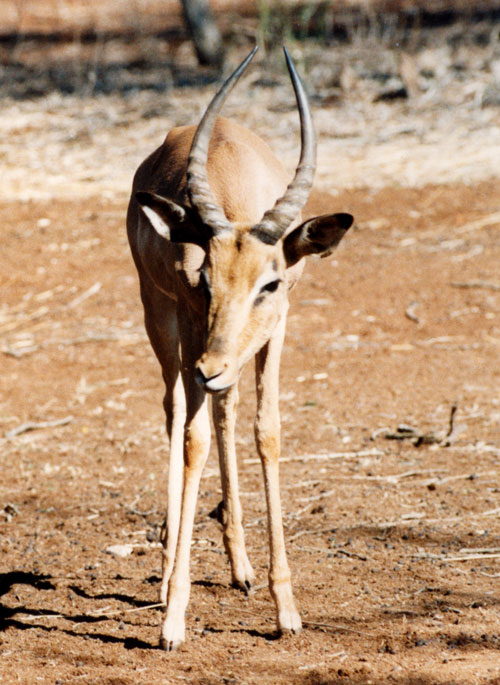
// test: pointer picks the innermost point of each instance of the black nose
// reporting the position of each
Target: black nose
(202, 380)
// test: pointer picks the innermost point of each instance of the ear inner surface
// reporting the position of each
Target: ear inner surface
(319, 235)
(170, 220)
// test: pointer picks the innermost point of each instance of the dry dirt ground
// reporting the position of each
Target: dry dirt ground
(394, 546)
(390, 410)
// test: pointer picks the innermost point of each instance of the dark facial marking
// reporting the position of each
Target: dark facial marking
(263, 236)
(217, 345)
(205, 284)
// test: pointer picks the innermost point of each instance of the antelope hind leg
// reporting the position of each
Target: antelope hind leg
(224, 415)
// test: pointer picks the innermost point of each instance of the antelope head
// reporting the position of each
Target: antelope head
(244, 274)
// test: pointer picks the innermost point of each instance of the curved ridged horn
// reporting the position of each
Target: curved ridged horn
(198, 188)
(276, 220)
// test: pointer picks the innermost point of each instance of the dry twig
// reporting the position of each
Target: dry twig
(37, 425)
(484, 221)
(462, 557)
(325, 457)
(476, 284)
(85, 295)
(103, 613)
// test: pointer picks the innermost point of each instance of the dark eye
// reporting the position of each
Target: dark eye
(271, 287)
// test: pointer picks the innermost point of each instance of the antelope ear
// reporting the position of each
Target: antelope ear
(170, 220)
(319, 235)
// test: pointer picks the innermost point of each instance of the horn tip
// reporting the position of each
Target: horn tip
(250, 56)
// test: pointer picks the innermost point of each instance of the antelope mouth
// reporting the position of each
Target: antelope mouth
(216, 384)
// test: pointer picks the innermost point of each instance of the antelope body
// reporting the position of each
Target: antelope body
(217, 240)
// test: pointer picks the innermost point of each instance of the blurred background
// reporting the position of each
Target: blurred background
(103, 46)
(385, 77)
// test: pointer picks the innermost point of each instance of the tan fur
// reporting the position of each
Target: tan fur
(244, 317)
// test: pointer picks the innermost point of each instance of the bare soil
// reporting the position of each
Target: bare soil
(389, 395)
(394, 547)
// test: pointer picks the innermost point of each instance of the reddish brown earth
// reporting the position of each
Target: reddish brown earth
(394, 546)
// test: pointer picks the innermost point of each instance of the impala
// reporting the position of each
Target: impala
(218, 241)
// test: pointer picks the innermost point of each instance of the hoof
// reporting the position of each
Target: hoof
(290, 631)
(172, 634)
(170, 645)
(245, 586)
(289, 623)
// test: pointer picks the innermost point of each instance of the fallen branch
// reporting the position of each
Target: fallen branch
(17, 354)
(406, 521)
(101, 337)
(479, 223)
(128, 611)
(312, 624)
(490, 575)
(104, 613)
(394, 479)
(37, 425)
(332, 626)
(85, 295)
(11, 326)
(314, 531)
(460, 476)
(325, 457)
(463, 557)
(313, 498)
(127, 337)
(352, 555)
(476, 284)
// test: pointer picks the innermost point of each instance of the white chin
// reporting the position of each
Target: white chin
(217, 386)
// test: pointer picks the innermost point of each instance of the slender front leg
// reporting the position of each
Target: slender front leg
(224, 415)
(161, 325)
(267, 434)
(176, 419)
(196, 446)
